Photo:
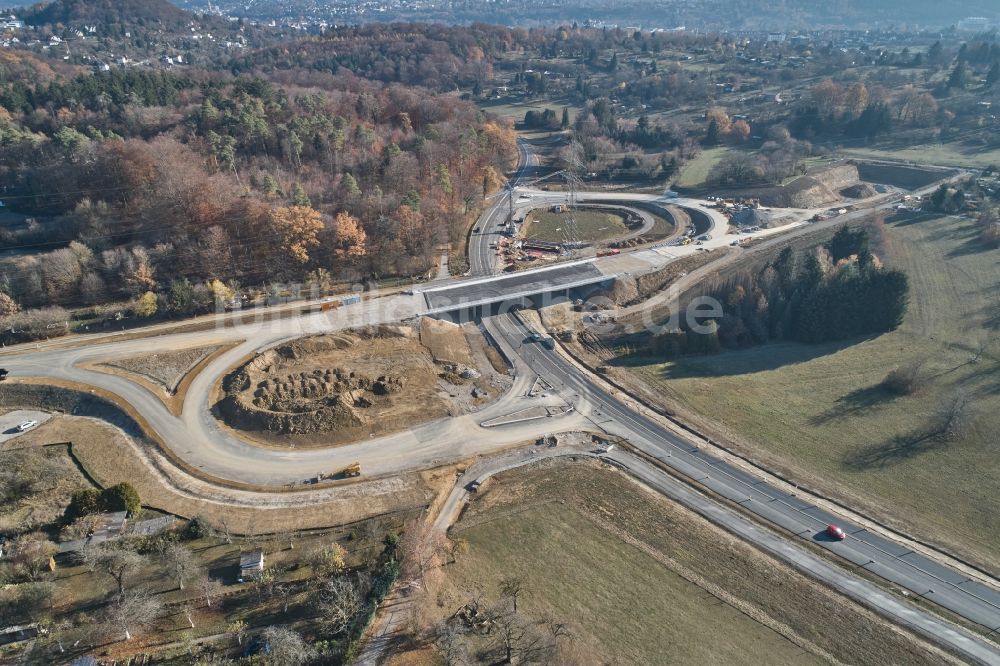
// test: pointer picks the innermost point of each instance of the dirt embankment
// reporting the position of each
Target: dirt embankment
(339, 388)
(898, 175)
(164, 369)
(816, 189)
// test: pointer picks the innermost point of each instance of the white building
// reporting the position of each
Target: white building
(251, 565)
(974, 24)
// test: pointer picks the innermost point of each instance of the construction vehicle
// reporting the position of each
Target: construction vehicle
(352, 470)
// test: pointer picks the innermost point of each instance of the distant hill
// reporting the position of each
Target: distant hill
(694, 14)
(104, 13)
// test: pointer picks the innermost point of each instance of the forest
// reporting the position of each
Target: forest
(359, 152)
(836, 291)
(186, 186)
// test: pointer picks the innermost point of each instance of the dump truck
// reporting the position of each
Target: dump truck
(354, 469)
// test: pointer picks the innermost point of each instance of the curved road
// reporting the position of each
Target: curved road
(483, 258)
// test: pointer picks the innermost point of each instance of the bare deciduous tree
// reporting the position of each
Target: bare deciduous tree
(286, 647)
(132, 611)
(520, 639)
(285, 593)
(209, 588)
(117, 560)
(450, 643)
(511, 587)
(58, 632)
(339, 600)
(179, 561)
(423, 549)
(188, 615)
(30, 553)
(953, 419)
(905, 380)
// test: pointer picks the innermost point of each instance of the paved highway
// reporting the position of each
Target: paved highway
(482, 257)
(863, 549)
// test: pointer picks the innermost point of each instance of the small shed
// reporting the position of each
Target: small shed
(18, 633)
(251, 565)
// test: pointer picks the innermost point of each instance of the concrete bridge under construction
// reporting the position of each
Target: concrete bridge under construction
(499, 293)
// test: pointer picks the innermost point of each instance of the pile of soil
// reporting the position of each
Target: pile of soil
(623, 290)
(859, 191)
(752, 217)
(344, 387)
(346, 384)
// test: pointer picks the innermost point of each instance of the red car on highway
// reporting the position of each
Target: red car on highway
(835, 532)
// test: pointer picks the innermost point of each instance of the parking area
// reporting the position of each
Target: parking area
(11, 420)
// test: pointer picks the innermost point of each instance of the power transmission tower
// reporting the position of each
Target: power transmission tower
(571, 231)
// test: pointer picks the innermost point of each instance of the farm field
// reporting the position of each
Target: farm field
(818, 413)
(584, 539)
(945, 154)
(515, 110)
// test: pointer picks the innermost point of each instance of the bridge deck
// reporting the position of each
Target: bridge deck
(513, 285)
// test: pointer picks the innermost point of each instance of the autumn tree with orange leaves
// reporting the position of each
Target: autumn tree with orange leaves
(297, 228)
(351, 236)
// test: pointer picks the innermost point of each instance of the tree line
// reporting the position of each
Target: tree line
(837, 291)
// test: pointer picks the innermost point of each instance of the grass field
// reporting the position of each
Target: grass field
(515, 110)
(817, 411)
(591, 225)
(945, 154)
(641, 580)
(694, 173)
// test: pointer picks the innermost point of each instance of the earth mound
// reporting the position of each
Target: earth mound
(336, 388)
(859, 191)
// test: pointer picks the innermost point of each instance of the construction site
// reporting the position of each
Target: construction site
(338, 388)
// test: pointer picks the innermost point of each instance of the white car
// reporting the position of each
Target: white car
(27, 425)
